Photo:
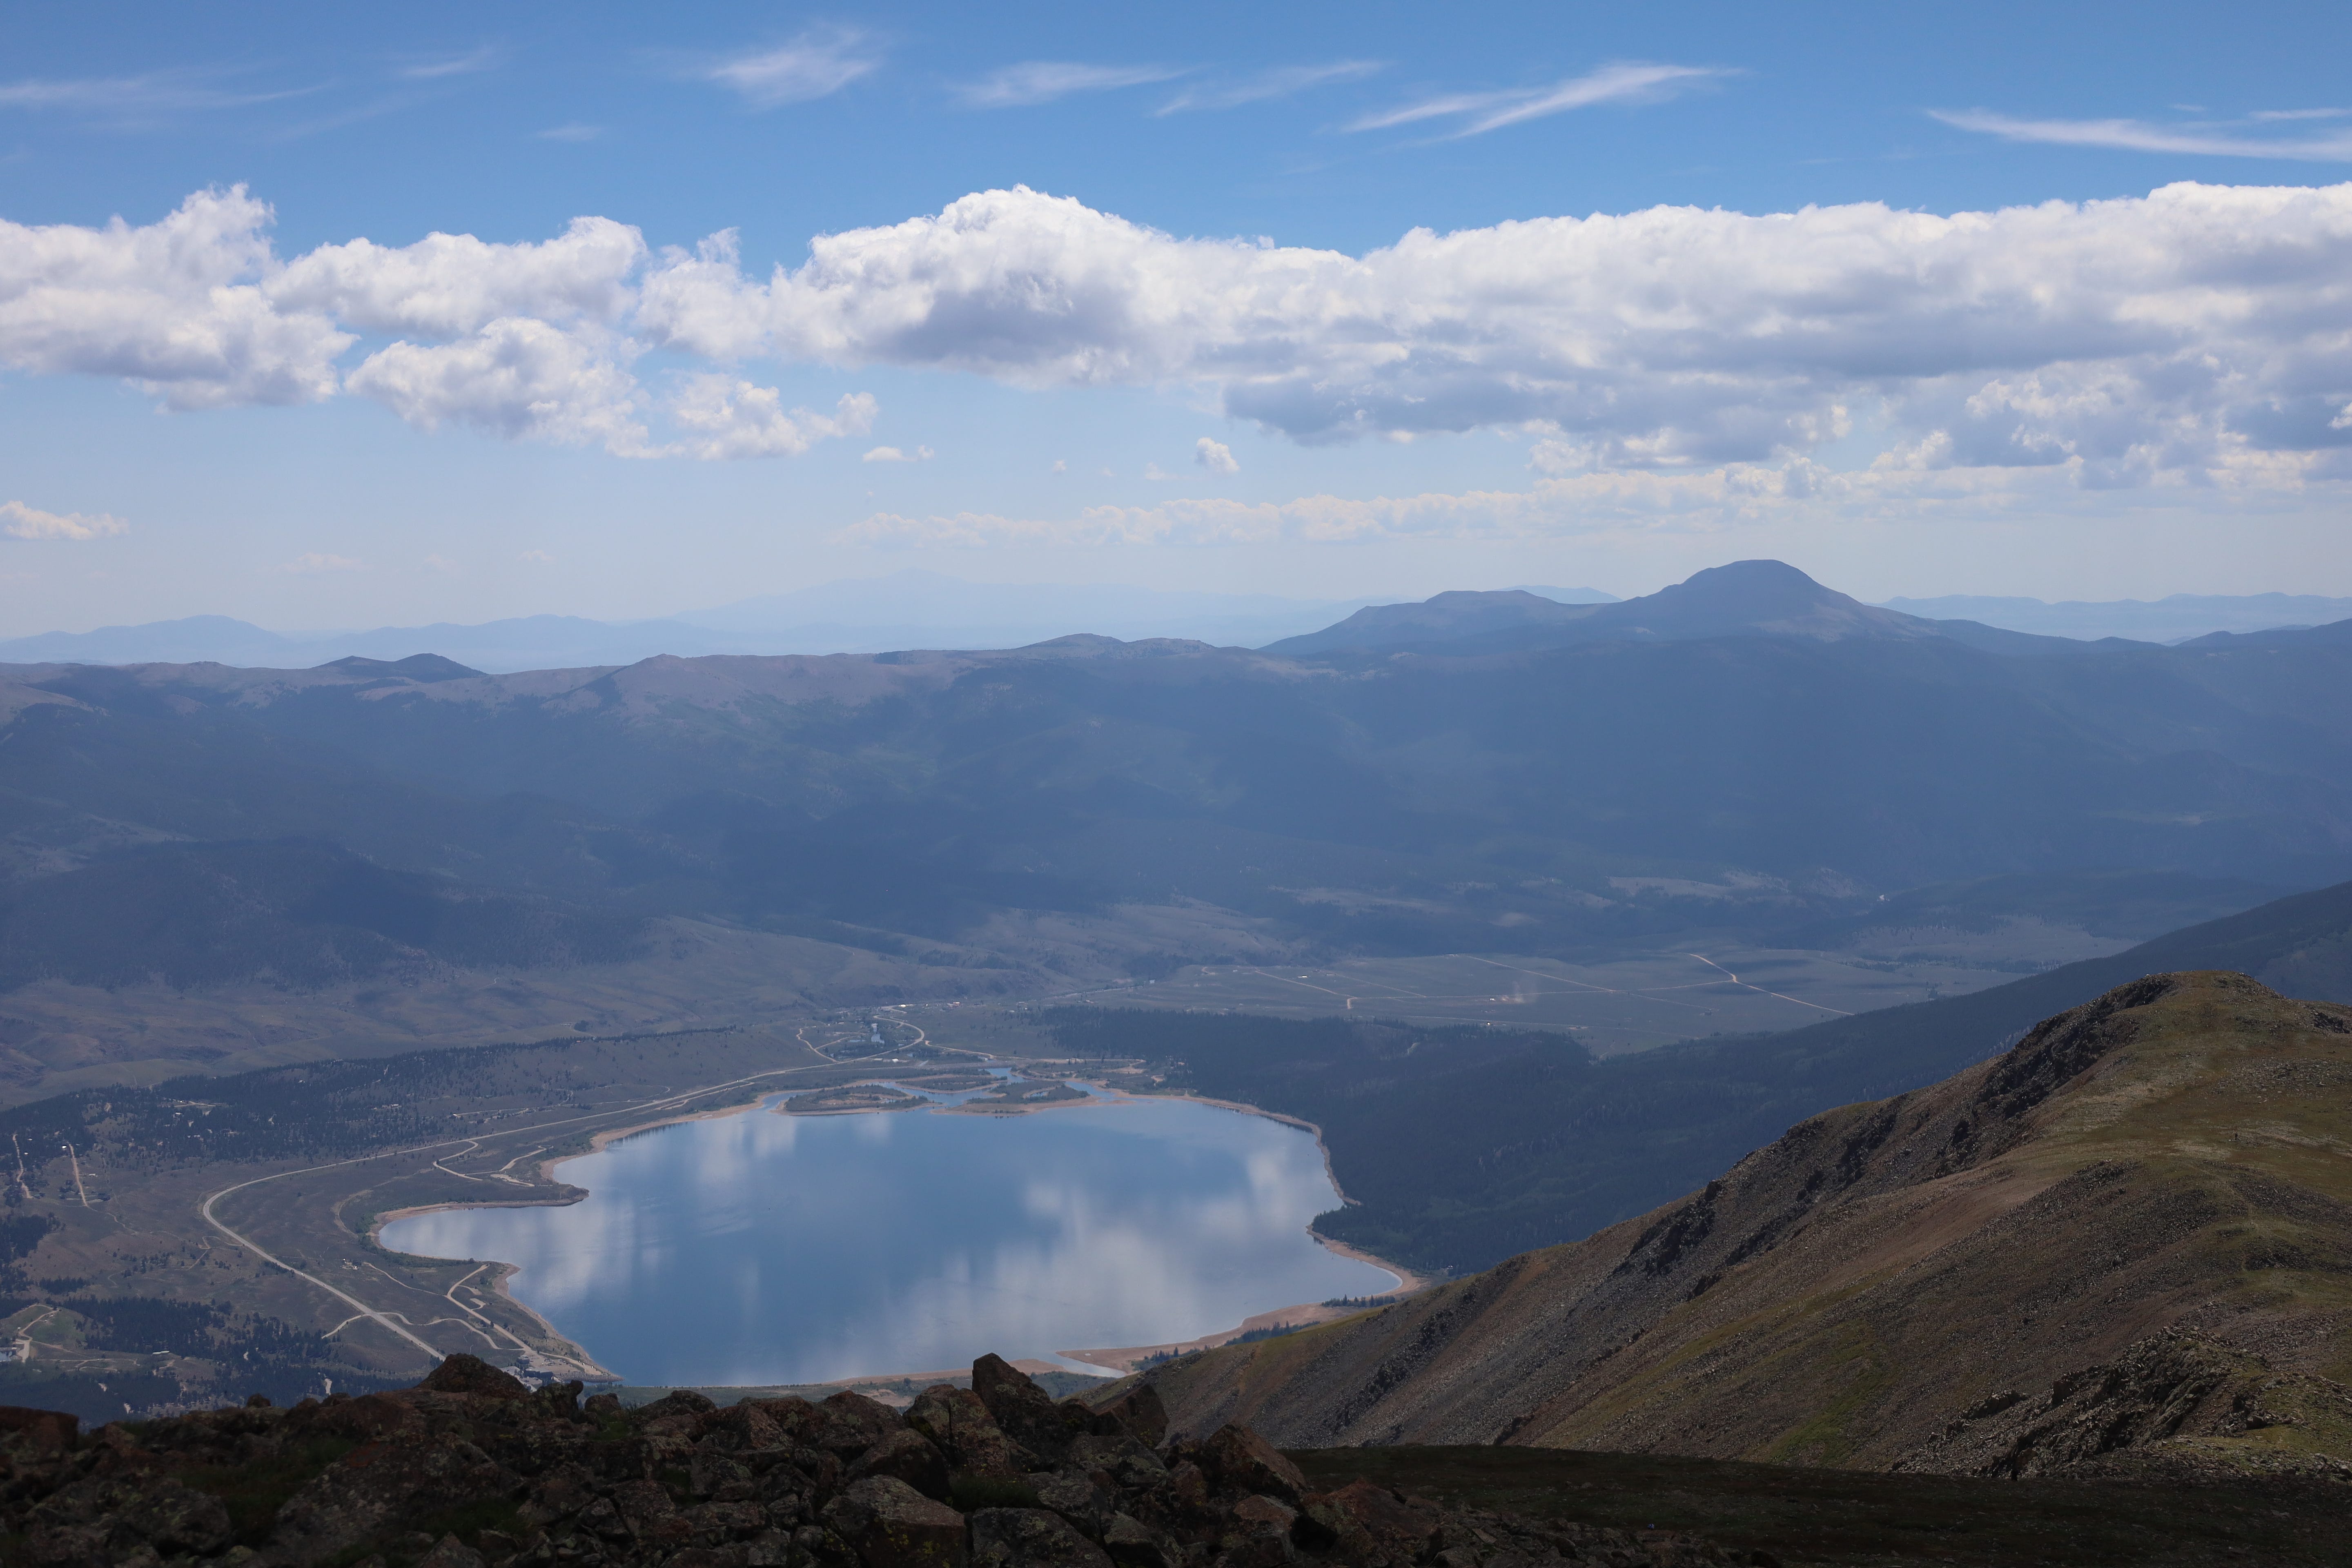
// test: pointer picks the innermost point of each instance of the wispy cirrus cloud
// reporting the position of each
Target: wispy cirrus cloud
(1622, 81)
(817, 64)
(2222, 139)
(1282, 81)
(1033, 82)
(468, 63)
(149, 94)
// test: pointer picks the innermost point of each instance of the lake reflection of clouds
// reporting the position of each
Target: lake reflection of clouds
(766, 1248)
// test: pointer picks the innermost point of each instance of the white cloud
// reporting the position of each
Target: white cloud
(1282, 81)
(733, 418)
(1898, 489)
(137, 98)
(2192, 333)
(1626, 81)
(447, 285)
(2174, 333)
(537, 557)
(893, 454)
(441, 564)
(817, 64)
(574, 133)
(466, 64)
(18, 521)
(314, 564)
(1033, 82)
(1215, 456)
(171, 306)
(516, 377)
(2139, 136)
(1156, 474)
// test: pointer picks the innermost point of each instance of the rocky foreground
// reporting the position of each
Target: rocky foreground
(471, 1469)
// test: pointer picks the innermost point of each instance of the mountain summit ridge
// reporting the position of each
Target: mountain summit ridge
(2166, 1158)
(1741, 598)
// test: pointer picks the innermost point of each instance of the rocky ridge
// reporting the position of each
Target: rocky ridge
(2144, 1208)
(471, 1469)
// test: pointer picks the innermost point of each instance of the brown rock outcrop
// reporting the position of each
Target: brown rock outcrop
(473, 1474)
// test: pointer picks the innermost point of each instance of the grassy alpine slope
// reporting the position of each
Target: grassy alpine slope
(1460, 1147)
(2126, 1243)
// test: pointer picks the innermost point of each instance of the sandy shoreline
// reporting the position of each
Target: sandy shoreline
(1117, 1358)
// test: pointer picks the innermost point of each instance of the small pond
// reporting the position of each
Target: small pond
(766, 1248)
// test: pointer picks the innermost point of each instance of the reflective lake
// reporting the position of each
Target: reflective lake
(767, 1248)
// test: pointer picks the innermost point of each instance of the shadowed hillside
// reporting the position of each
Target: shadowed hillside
(2127, 1241)
(1459, 1147)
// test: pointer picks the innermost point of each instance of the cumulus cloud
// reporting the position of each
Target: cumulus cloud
(18, 521)
(171, 306)
(2174, 338)
(1281, 81)
(517, 376)
(1626, 81)
(2139, 136)
(1033, 82)
(446, 285)
(817, 64)
(893, 454)
(1215, 456)
(2165, 332)
(732, 418)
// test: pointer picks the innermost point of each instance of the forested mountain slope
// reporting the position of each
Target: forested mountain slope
(2149, 1190)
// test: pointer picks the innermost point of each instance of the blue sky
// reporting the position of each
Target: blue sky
(1196, 352)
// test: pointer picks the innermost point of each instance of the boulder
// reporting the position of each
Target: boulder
(1241, 1461)
(379, 1485)
(1077, 1497)
(848, 1425)
(1138, 1412)
(1030, 1538)
(1026, 1413)
(1362, 1525)
(110, 1520)
(471, 1375)
(43, 1428)
(1258, 1532)
(909, 1457)
(451, 1553)
(959, 1427)
(1122, 1458)
(1131, 1544)
(361, 1420)
(889, 1524)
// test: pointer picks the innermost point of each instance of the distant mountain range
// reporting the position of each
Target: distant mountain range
(874, 615)
(1480, 773)
(921, 609)
(2172, 619)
